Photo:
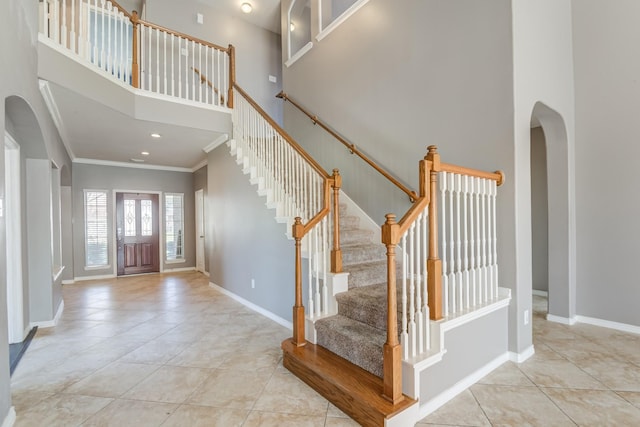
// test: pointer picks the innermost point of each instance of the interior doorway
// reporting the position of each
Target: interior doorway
(539, 220)
(15, 303)
(199, 197)
(137, 233)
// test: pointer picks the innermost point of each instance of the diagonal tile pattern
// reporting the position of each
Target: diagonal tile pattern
(167, 350)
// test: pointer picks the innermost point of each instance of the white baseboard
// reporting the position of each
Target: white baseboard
(10, 419)
(68, 282)
(461, 386)
(560, 319)
(206, 273)
(178, 270)
(522, 356)
(540, 293)
(266, 313)
(624, 327)
(100, 277)
(50, 323)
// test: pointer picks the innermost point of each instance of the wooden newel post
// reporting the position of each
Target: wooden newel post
(232, 75)
(434, 263)
(336, 252)
(298, 309)
(392, 356)
(135, 68)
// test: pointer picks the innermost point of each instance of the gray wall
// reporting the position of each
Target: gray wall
(394, 80)
(606, 35)
(258, 52)
(245, 240)
(539, 211)
(200, 182)
(111, 178)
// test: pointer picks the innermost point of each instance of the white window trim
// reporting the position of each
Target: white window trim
(84, 207)
(304, 49)
(324, 32)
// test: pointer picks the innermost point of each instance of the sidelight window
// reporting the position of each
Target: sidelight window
(96, 229)
(174, 226)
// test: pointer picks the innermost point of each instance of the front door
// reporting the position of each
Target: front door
(137, 233)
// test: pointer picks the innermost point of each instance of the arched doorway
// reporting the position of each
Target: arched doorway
(550, 145)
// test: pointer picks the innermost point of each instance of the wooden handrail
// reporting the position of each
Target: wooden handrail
(203, 79)
(352, 148)
(283, 133)
(497, 176)
(183, 35)
(122, 9)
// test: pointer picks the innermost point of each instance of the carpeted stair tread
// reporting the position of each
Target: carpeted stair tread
(368, 305)
(349, 222)
(357, 342)
(355, 235)
(358, 253)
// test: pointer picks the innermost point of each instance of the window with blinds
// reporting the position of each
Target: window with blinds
(174, 225)
(96, 229)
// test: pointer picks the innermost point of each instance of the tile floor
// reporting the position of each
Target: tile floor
(168, 350)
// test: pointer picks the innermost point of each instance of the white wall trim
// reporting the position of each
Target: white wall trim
(130, 165)
(340, 19)
(50, 323)
(68, 282)
(98, 277)
(540, 293)
(522, 356)
(58, 272)
(50, 101)
(266, 313)
(562, 320)
(304, 49)
(462, 385)
(10, 419)
(177, 270)
(624, 327)
(215, 144)
(200, 165)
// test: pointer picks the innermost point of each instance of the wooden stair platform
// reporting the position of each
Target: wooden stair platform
(355, 391)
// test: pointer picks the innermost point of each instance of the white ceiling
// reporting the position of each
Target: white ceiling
(265, 13)
(95, 131)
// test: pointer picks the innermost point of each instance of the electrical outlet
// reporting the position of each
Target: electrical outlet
(200, 18)
(253, 283)
(273, 79)
(526, 317)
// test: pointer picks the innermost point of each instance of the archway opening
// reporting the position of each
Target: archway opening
(550, 156)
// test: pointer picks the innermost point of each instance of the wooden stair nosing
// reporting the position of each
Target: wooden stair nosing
(353, 390)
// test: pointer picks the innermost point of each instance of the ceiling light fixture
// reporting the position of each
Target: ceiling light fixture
(137, 160)
(292, 26)
(155, 135)
(246, 7)
(145, 153)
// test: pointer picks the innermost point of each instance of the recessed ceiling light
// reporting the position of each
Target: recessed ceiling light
(246, 7)
(145, 153)
(292, 26)
(155, 135)
(137, 160)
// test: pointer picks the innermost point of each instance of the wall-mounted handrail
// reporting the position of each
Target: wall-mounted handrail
(352, 147)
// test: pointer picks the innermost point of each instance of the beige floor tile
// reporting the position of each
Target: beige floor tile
(113, 380)
(544, 352)
(252, 360)
(558, 373)
(200, 355)
(461, 410)
(507, 374)
(270, 419)
(157, 351)
(595, 407)
(334, 412)
(131, 413)
(619, 376)
(171, 384)
(231, 389)
(22, 401)
(340, 422)
(286, 393)
(206, 416)
(61, 411)
(518, 406)
(631, 397)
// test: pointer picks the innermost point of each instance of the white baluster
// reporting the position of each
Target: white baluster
(420, 262)
(206, 73)
(179, 67)
(164, 62)
(465, 239)
(495, 238)
(56, 21)
(109, 58)
(404, 334)
(157, 60)
(200, 68)
(484, 240)
(460, 290)
(452, 261)
(425, 298)
(325, 254)
(63, 28)
(317, 271)
(103, 50)
(311, 305)
(173, 55)
(82, 37)
(412, 290)
(478, 242)
(45, 18)
(149, 55)
(445, 276)
(472, 248)
(72, 33)
(193, 65)
(218, 78)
